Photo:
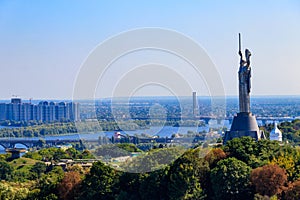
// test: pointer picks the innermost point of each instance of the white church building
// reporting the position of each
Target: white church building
(276, 134)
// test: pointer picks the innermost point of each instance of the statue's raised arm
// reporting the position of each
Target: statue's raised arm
(240, 52)
(242, 61)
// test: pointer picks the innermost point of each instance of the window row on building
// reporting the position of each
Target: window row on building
(44, 111)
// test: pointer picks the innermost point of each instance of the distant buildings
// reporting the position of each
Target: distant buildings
(195, 104)
(44, 111)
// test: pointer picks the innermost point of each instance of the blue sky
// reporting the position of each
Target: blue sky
(44, 43)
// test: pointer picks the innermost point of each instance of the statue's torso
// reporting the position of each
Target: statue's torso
(244, 75)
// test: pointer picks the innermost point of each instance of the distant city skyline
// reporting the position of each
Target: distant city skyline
(45, 111)
(44, 43)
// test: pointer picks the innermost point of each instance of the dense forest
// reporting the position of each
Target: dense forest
(242, 169)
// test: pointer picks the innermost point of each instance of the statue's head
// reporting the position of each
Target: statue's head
(247, 53)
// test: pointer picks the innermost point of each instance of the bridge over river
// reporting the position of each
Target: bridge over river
(10, 143)
(263, 119)
(34, 142)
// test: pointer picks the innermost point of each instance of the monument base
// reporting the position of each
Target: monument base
(244, 124)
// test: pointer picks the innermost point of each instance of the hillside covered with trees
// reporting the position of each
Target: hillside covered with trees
(242, 169)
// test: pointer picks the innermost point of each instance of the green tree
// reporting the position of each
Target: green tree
(12, 191)
(86, 154)
(99, 183)
(41, 143)
(153, 160)
(59, 154)
(186, 175)
(266, 151)
(47, 153)
(154, 185)
(244, 149)
(72, 153)
(111, 150)
(230, 180)
(46, 187)
(6, 171)
(128, 185)
(38, 169)
(33, 155)
(129, 147)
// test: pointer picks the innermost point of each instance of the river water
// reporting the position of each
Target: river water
(164, 131)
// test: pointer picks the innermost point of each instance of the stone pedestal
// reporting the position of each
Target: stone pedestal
(244, 124)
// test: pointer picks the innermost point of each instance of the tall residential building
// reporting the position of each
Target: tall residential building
(15, 109)
(2, 111)
(44, 111)
(61, 113)
(73, 111)
(52, 112)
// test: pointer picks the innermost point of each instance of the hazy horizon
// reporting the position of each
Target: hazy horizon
(156, 97)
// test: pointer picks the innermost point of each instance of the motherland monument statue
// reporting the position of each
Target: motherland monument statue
(244, 123)
(244, 80)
